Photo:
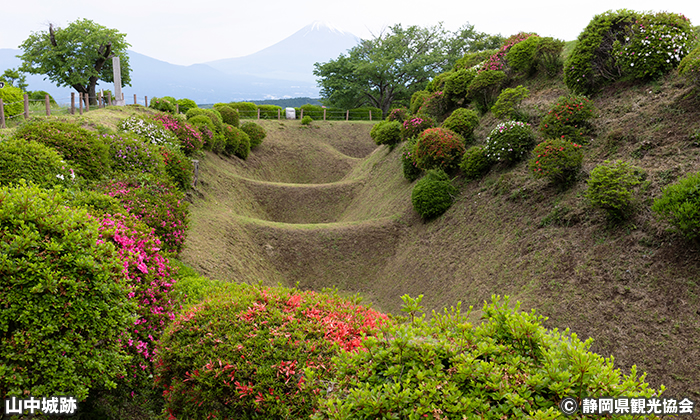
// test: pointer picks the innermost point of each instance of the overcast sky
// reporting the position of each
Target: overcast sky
(187, 32)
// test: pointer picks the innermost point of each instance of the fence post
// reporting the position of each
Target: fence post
(302, 114)
(48, 105)
(370, 115)
(347, 115)
(2, 114)
(324, 114)
(145, 101)
(72, 103)
(109, 99)
(258, 113)
(279, 112)
(26, 106)
(177, 109)
(87, 102)
(135, 102)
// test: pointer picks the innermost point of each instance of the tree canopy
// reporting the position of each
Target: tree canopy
(77, 56)
(393, 65)
(14, 78)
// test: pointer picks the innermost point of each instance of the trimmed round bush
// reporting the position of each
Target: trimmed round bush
(437, 84)
(307, 120)
(570, 117)
(521, 56)
(270, 112)
(463, 122)
(386, 132)
(206, 130)
(505, 366)
(508, 103)
(413, 126)
(64, 298)
(435, 106)
(185, 105)
(178, 167)
(679, 205)
(39, 95)
(163, 105)
(131, 154)
(558, 160)
(80, 148)
(255, 133)
(252, 352)
(475, 163)
(474, 60)
(411, 171)
(690, 66)
(439, 148)
(509, 142)
(189, 137)
(12, 101)
(237, 142)
(229, 115)
(498, 60)
(33, 162)
(213, 115)
(484, 89)
(158, 204)
(398, 114)
(610, 188)
(433, 194)
(457, 84)
(417, 100)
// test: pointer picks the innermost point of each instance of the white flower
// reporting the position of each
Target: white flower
(59, 176)
(631, 64)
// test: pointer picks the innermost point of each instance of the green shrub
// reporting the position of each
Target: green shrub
(508, 103)
(237, 142)
(435, 106)
(269, 112)
(245, 109)
(255, 133)
(433, 194)
(163, 105)
(498, 61)
(457, 85)
(64, 298)
(521, 56)
(609, 188)
(214, 116)
(246, 353)
(386, 132)
(313, 111)
(439, 148)
(12, 101)
(411, 171)
(569, 118)
(690, 66)
(229, 115)
(185, 105)
(157, 203)
(506, 366)
(178, 167)
(548, 56)
(559, 160)
(33, 162)
(473, 60)
(475, 163)
(484, 89)
(412, 127)
(509, 142)
(626, 44)
(306, 120)
(40, 95)
(206, 130)
(96, 202)
(218, 144)
(463, 122)
(151, 131)
(362, 113)
(131, 154)
(437, 84)
(398, 114)
(417, 100)
(80, 148)
(679, 205)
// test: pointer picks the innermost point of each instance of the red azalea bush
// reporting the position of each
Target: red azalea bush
(245, 353)
(412, 127)
(439, 148)
(178, 167)
(398, 114)
(159, 205)
(190, 138)
(559, 160)
(149, 278)
(435, 106)
(570, 116)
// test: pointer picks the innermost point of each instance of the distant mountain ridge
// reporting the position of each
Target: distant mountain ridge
(283, 70)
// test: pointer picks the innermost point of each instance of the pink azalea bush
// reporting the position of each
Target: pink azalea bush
(412, 127)
(190, 137)
(497, 61)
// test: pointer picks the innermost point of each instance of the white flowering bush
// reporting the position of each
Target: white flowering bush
(656, 45)
(151, 131)
(509, 142)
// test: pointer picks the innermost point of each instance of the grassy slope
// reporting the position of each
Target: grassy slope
(323, 207)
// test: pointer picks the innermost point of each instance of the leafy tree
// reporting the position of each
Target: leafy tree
(77, 56)
(14, 78)
(389, 68)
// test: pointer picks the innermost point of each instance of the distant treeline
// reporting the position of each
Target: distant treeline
(284, 103)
